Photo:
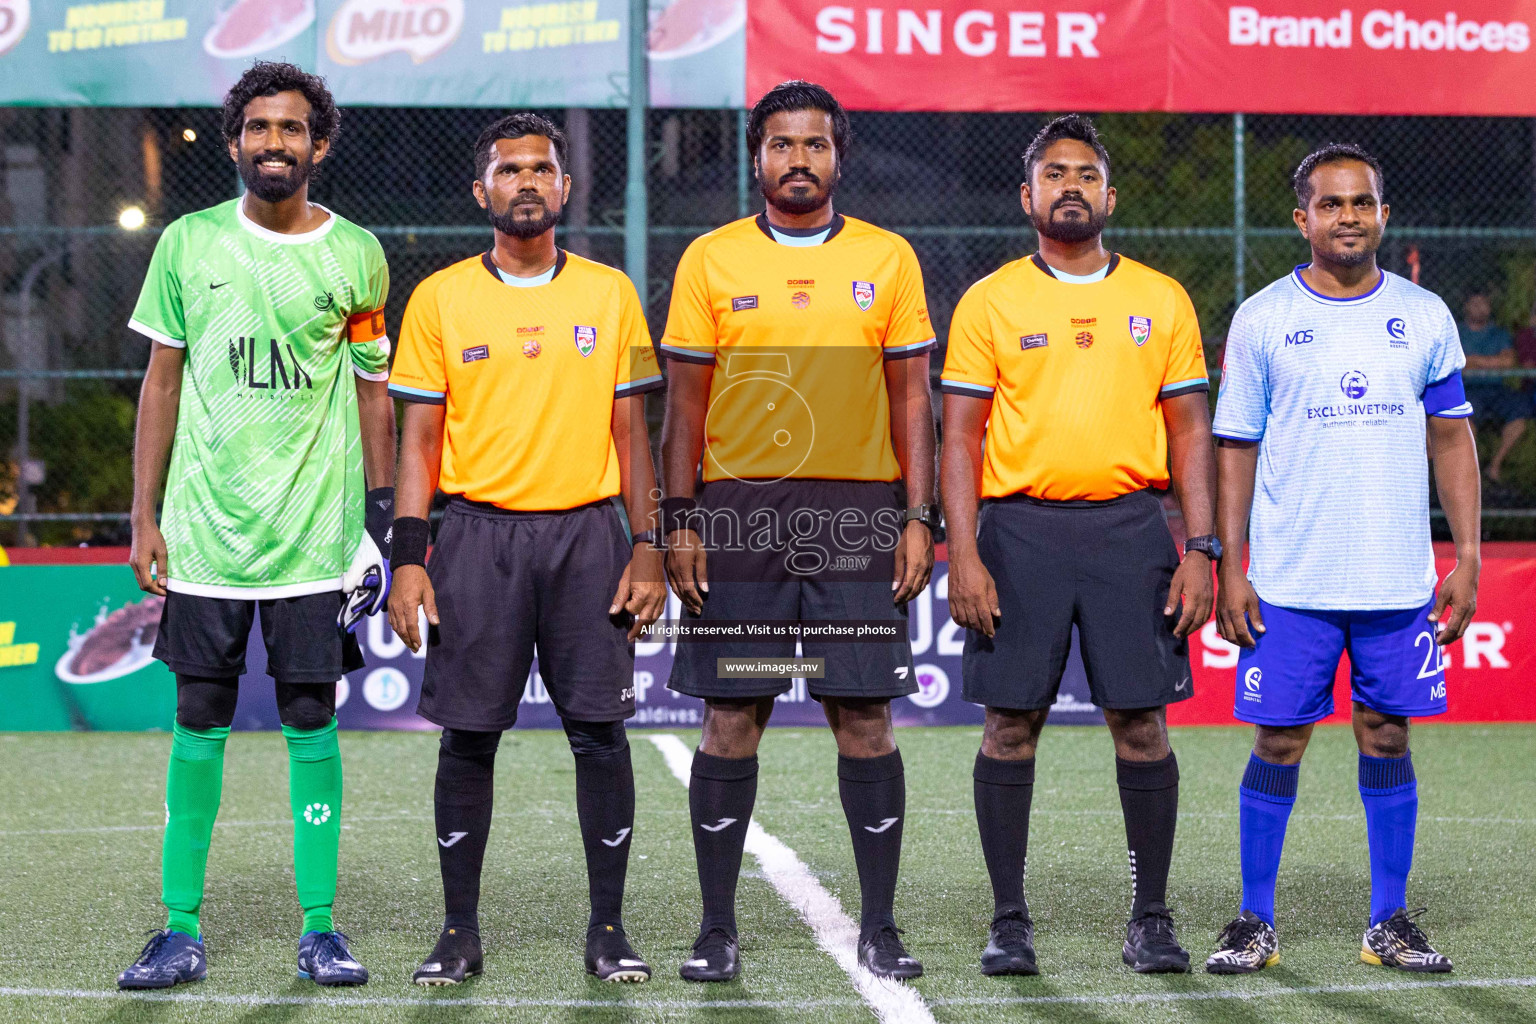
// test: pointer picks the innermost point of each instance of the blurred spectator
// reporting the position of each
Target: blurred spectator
(1489, 347)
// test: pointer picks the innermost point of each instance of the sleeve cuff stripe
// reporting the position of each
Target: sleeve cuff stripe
(1191, 384)
(1458, 412)
(1232, 435)
(687, 355)
(912, 349)
(418, 394)
(637, 386)
(368, 375)
(149, 332)
(960, 387)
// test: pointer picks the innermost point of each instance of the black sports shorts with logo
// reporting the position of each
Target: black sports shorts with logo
(511, 583)
(1102, 566)
(799, 550)
(207, 636)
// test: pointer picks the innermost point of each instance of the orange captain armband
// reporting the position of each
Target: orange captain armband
(363, 328)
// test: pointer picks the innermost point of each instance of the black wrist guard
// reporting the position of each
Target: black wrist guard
(379, 516)
(410, 542)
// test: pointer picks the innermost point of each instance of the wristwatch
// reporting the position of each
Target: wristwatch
(928, 515)
(644, 537)
(1208, 545)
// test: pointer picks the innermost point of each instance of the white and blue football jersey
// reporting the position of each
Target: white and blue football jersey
(1336, 391)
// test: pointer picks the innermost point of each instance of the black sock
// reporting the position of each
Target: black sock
(1149, 796)
(466, 763)
(1004, 791)
(605, 807)
(720, 798)
(874, 792)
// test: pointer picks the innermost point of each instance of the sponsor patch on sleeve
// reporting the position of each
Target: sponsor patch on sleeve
(478, 352)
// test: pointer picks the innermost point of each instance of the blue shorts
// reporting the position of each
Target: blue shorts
(1395, 665)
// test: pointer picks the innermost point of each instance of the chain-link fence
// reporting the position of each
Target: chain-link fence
(1204, 198)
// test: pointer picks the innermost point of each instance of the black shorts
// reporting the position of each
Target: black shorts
(800, 551)
(1102, 566)
(206, 636)
(510, 583)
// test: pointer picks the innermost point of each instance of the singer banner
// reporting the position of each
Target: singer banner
(76, 642)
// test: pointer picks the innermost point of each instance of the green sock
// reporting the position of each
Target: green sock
(193, 784)
(314, 789)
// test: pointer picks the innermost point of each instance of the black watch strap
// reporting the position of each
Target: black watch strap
(928, 515)
(644, 537)
(1207, 544)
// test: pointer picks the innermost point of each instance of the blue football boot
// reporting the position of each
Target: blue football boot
(325, 959)
(168, 958)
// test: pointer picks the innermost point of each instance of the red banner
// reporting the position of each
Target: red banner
(1490, 673)
(1291, 56)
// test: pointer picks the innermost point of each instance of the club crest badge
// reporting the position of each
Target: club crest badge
(864, 294)
(1141, 330)
(586, 340)
(532, 348)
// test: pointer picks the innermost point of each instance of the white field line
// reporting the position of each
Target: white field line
(686, 1006)
(835, 932)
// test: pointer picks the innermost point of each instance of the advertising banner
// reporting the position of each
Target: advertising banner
(75, 645)
(452, 53)
(1294, 56)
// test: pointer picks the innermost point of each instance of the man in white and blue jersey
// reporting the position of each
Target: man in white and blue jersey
(1335, 378)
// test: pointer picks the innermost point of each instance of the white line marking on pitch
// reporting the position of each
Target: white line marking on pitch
(685, 1006)
(835, 932)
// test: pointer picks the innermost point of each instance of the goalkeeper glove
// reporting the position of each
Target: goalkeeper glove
(366, 582)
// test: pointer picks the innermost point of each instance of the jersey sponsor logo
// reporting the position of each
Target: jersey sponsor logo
(1141, 330)
(1397, 332)
(800, 282)
(586, 340)
(742, 302)
(1085, 321)
(281, 375)
(1029, 341)
(1354, 384)
(800, 300)
(1298, 338)
(478, 352)
(1084, 339)
(325, 302)
(864, 294)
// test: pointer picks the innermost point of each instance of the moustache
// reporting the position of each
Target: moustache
(804, 176)
(1070, 201)
(279, 155)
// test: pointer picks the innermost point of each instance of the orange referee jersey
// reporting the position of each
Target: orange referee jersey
(798, 336)
(529, 377)
(1075, 373)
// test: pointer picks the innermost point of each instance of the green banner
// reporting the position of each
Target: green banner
(477, 53)
(75, 651)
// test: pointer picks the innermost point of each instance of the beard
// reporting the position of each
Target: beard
(508, 222)
(1354, 257)
(785, 201)
(271, 188)
(1070, 231)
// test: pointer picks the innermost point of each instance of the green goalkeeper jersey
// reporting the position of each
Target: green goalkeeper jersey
(264, 497)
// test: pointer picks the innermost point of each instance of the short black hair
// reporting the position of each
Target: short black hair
(1332, 153)
(798, 95)
(268, 78)
(516, 126)
(1068, 126)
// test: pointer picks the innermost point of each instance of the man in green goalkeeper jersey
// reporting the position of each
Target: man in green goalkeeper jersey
(266, 391)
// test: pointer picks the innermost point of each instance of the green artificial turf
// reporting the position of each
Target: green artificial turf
(80, 818)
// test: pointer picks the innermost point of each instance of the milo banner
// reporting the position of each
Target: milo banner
(76, 641)
(477, 53)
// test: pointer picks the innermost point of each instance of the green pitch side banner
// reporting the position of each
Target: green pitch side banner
(478, 53)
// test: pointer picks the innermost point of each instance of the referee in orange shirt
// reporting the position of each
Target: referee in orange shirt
(1083, 373)
(524, 371)
(798, 345)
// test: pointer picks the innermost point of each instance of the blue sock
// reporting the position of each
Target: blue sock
(1264, 802)
(1391, 798)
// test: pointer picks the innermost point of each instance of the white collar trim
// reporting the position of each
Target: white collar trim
(279, 237)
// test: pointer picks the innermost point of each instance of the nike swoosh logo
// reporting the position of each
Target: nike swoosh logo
(1183, 685)
(885, 823)
(212, 286)
(453, 837)
(723, 824)
(617, 839)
